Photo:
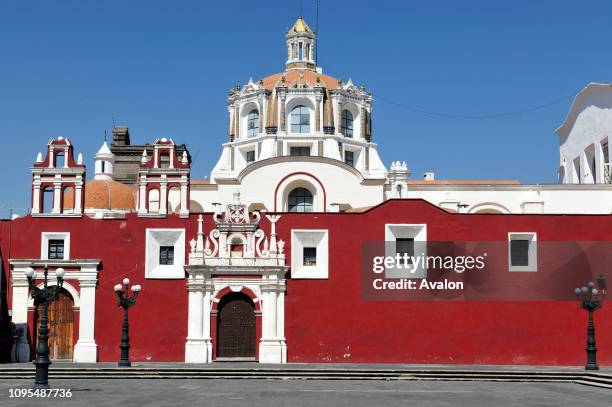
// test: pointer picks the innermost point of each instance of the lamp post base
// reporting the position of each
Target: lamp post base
(41, 380)
(124, 363)
(591, 367)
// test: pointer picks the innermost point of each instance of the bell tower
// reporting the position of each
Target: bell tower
(300, 46)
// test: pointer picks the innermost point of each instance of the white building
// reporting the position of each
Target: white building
(583, 137)
(301, 140)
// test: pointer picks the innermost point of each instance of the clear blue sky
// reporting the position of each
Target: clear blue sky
(164, 68)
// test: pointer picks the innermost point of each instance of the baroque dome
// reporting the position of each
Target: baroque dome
(108, 194)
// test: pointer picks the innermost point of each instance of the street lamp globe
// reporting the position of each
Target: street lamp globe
(118, 287)
(126, 281)
(585, 290)
(60, 272)
(30, 273)
(578, 291)
(591, 284)
(136, 288)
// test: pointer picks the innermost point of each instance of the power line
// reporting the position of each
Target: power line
(476, 116)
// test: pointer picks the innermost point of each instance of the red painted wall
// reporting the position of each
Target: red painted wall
(327, 320)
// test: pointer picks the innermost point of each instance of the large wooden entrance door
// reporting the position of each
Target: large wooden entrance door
(236, 327)
(61, 326)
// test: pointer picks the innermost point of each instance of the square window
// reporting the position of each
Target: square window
(56, 249)
(250, 156)
(310, 256)
(409, 240)
(299, 151)
(166, 255)
(522, 251)
(349, 158)
(519, 252)
(55, 246)
(405, 246)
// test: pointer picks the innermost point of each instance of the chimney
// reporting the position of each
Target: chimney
(121, 136)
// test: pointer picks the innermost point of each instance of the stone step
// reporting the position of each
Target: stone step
(591, 379)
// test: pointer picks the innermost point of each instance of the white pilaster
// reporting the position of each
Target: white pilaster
(78, 197)
(184, 211)
(272, 348)
(142, 196)
(57, 194)
(198, 348)
(36, 196)
(86, 350)
(163, 196)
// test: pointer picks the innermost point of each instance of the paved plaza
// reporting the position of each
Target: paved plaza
(269, 393)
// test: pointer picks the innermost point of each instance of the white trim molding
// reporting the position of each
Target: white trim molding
(157, 238)
(44, 243)
(315, 238)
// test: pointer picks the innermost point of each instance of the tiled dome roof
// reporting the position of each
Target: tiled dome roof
(307, 75)
(299, 78)
(106, 194)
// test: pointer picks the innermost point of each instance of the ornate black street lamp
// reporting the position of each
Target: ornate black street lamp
(591, 299)
(43, 296)
(126, 301)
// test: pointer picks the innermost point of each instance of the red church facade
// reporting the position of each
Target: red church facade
(328, 319)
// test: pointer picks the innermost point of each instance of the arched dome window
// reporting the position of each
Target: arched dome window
(300, 119)
(346, 127)
(253, 123)
(300, 200)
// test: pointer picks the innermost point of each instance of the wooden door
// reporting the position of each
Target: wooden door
(236, 327)
(61, 326)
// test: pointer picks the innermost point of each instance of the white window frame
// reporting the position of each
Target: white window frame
(154, 240)
(418, 232)
(44, 243)
(301, 238)
(532, 256)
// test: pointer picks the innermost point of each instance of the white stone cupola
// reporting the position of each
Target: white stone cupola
(300, 46)
(104, 161)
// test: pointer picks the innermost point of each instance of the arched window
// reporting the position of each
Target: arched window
(47, 200)
(59, 159)
(174, 200)
(164, 159)
(300, 200)
(253, 123)
(300, 119)
(346, 127)
(154, 200)
(68, 200)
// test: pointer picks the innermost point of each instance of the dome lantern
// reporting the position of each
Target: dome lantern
(300, 46)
